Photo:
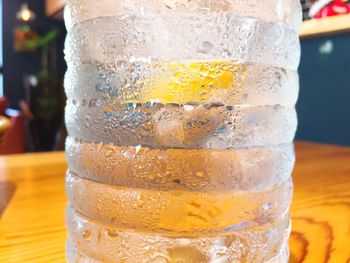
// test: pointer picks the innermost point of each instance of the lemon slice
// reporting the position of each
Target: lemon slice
(181, 82)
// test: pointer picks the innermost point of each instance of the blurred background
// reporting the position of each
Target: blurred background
(32, 69)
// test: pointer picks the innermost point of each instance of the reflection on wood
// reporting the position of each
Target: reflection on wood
(7, 190)
(32, 228)
(321, 206)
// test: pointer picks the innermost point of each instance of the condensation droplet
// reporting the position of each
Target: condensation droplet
(113, 233)
(199, 174)
(188, 107)
(267, 206)
(86, 234)
(138, 148)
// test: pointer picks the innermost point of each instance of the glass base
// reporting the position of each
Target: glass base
(74, 256)
(90, 241)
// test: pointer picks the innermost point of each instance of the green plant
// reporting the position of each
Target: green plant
(42, 41)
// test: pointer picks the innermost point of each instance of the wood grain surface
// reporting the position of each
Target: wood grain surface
(33, 198)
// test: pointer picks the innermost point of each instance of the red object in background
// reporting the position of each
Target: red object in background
(13, 139)
(3, 105)
(325, 8)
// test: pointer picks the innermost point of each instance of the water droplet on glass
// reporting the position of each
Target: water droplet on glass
(113, 233)
(86, 234)
(188, 107)
(92, 103)
(199, 174)
(267, 206)
(132, 105)
(138, 148)
(87, 120)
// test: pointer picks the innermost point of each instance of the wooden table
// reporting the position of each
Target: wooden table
(32, 189)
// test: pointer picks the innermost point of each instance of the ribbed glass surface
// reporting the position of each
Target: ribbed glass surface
(181, 117)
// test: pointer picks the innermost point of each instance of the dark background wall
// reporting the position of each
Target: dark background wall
(17, 64)
(324, 101)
